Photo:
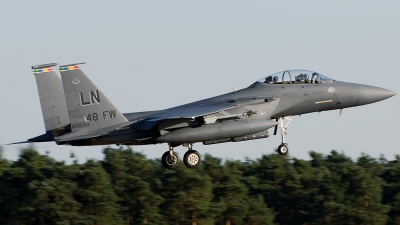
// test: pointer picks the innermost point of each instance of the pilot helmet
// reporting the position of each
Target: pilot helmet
(306, 77)
(275, 79)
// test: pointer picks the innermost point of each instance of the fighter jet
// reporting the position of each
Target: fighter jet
(77, 113)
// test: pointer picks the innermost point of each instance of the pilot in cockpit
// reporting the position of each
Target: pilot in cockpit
(268, 80)
(276, 80)
(306, 78)
(302, 78)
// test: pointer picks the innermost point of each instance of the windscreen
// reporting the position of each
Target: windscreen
(294, 77)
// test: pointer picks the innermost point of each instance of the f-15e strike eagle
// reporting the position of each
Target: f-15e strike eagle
(77, 113)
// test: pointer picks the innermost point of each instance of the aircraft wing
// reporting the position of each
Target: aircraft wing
(188, 111)
(147, 124)
(197, 109)
(193, 111)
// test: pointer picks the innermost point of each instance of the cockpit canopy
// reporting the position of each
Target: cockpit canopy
(295, 77)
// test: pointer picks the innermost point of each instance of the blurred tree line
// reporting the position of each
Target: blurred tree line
(127, 188)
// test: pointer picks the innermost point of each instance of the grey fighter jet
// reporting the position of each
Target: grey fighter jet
(77, 113)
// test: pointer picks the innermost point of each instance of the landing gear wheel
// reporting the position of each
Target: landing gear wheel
(283, 149)
(169, 160)
(192, 159)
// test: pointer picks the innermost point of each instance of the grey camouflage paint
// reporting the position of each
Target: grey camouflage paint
(235, 116)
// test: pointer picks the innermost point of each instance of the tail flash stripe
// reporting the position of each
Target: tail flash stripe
(44, 70)
(69, 68)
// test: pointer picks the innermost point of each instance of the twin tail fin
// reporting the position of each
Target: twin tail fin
(72, 106)
(88, 108)
(51, 96)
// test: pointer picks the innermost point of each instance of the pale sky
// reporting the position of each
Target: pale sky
(148, 55)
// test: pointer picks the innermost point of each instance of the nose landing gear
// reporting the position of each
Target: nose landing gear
(283, 149)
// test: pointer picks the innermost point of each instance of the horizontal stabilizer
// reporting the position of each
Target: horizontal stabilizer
(79, 137)
(82, 134)
(48, 136)
(21, 142)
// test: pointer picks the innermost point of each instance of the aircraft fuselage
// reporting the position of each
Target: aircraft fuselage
(278, 100)
(76, 112)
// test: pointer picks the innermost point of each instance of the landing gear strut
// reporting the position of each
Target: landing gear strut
(283, 149)
(192, 157)
(170, 159)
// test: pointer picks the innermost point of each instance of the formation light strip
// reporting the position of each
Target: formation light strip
(326, 101)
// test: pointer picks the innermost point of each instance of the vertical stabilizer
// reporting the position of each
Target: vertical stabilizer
(51, 95)
(88, 108)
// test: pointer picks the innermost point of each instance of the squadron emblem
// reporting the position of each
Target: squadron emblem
(75, 80)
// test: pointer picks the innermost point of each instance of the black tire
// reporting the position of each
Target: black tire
(170, 161)
(283, 149)
(192, 159)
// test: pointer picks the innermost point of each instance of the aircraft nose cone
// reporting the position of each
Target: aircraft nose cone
(370, 94)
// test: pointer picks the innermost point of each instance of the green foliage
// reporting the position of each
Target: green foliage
(127, 188)
(4, 164)
(187, 194)
(130, 176)
(96, 194)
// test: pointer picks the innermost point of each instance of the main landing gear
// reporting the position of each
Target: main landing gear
(283, 149)
(191, 158)
(170, 159)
